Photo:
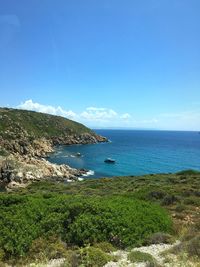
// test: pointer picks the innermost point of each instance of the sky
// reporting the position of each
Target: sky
(108, 63)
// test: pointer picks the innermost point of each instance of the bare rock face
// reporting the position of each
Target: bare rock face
(18, 171)
(78, 139)
(39, 147)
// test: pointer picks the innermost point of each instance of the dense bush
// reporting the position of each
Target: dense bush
(119, 220)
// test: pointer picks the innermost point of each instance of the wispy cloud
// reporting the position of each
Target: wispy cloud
(30, 105)
(98, 114)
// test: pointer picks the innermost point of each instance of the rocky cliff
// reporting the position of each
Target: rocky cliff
(26, 136)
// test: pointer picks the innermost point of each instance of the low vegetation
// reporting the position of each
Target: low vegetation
(83, 222)
(137, 256)
(37, 124)
(121, 221)
(92, 256)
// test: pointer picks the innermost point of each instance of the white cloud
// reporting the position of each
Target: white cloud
(30, 105)
(98, 114)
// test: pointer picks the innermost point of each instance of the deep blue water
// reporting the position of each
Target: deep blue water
(135, 152)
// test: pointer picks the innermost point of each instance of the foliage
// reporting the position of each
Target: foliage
(122, 221)
(123, 211)
(94, 257)
(47, 248)
(137, 256)
(105, 247)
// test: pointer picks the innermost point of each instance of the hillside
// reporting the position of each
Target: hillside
(38, 124)
(26, 136)
(22, 127)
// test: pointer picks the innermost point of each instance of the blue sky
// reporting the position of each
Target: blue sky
(108, 63)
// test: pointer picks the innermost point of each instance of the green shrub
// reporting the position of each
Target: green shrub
(51, 248)
(137, 256)
(121, 221)
(94, 257)
(105, 247)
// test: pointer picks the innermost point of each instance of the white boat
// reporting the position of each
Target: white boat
(109, 160)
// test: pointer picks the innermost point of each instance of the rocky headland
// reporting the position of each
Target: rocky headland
(27, 137)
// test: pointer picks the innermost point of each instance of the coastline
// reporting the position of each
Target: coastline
(19, 169)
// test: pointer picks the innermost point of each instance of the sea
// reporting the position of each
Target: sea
(136, 152)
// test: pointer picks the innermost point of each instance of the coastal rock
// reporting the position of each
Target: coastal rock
(85, 138)
(18, 171)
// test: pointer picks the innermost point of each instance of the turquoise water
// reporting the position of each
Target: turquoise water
(135, 152)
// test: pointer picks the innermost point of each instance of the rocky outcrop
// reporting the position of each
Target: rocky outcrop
(38, 147)
(22, 143)
(17, 171)
(86, 138)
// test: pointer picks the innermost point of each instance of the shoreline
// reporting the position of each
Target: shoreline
(19, 170)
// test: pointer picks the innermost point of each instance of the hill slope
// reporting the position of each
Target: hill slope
(38, 124)
(20, 128)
